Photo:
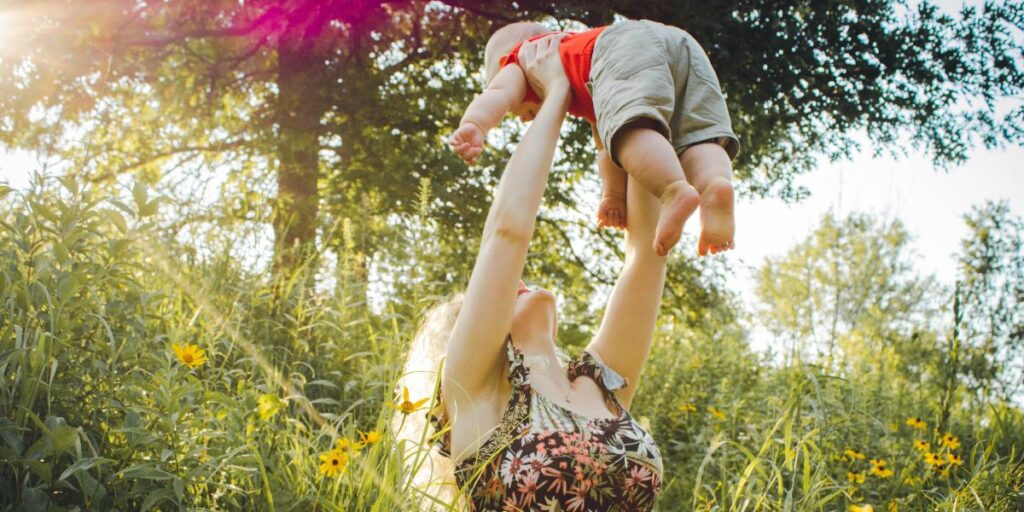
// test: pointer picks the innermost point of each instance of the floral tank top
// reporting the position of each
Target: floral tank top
(542, 456)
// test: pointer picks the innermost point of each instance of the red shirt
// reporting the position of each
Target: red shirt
(575, 50)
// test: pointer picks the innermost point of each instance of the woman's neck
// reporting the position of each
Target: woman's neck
(540, 357)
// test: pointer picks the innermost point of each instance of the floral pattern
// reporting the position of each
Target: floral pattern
(545, 457)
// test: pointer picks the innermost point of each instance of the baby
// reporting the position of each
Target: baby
(656, 111)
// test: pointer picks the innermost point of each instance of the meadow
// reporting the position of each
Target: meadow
(138, 375)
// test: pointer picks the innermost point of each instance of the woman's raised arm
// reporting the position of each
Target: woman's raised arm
(624, 338)
(475, 350)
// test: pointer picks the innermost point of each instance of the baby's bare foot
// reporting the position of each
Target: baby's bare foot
(678, 202)
(612, 212)
(716, 218)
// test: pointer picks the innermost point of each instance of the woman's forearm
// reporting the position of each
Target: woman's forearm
(521, 188)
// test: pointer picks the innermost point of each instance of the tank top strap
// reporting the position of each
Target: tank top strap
(609, 380)
(518, 373)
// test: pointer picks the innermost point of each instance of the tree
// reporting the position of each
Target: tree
(320, 92)
(345, 102)
(989, 323)
(847, 293)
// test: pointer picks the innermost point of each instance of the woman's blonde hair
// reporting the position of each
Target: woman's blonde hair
(432, 473)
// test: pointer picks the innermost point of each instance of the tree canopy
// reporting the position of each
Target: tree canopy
(335, 110)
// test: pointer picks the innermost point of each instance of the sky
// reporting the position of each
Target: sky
(930, 202)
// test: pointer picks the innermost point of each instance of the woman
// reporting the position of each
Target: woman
(523, 432)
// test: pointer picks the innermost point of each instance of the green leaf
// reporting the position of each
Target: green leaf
(140, 194)
(62, 438)
(69, 183)
(10, 432)
(143, 472)
(149, 208)
(33, 499)
(43, 211)
(83, 465)
(40, 468)
(4, 190)
(155, 497)
(116, 219)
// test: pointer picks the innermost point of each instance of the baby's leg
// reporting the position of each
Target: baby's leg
(709, 169)
(649, 157)
(612, 210)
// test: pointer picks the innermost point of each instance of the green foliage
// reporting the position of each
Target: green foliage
(97, 412)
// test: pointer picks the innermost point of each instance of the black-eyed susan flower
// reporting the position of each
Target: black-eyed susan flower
(854, 454)
(878, 468)
(933, 460)
(348, 446)
(189, 354)
(688, 407)
(855, 477)
(406, 406)
(893, 506)
(368, 438)
(954, 459)
(950, 441)
(332, 463)
(921, 445)
(917, 423)
(862, 508)
(716, 413)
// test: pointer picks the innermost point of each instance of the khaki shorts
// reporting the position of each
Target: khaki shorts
(646, 70)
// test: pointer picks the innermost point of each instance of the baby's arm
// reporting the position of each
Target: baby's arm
(485, 112)
(612, 210)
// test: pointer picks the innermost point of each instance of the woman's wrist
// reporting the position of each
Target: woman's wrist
(559, 92)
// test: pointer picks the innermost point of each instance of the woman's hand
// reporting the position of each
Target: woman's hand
(543, 65)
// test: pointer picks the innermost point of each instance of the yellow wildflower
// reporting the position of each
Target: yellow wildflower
(917, 423)
(951, 442)
(893, 506)
(862, 508)
(406, 406)
(346, 445)
(189, 354)
(716, 413)
(933, 460)
(922, 446)
(855, 477)
(687, 407)
(878, 468)
(368, 438)
(333, 462)
(267, 405)
(854, 454)
(954, 459)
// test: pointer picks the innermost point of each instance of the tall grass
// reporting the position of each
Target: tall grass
(97, 412)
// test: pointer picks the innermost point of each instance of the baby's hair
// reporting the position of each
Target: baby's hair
(506, 38)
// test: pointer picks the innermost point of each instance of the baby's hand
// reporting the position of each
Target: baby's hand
(468, 142)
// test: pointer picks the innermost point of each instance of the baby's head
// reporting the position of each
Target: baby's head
(506, 38)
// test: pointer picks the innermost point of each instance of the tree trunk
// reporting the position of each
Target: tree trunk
(299, 110)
